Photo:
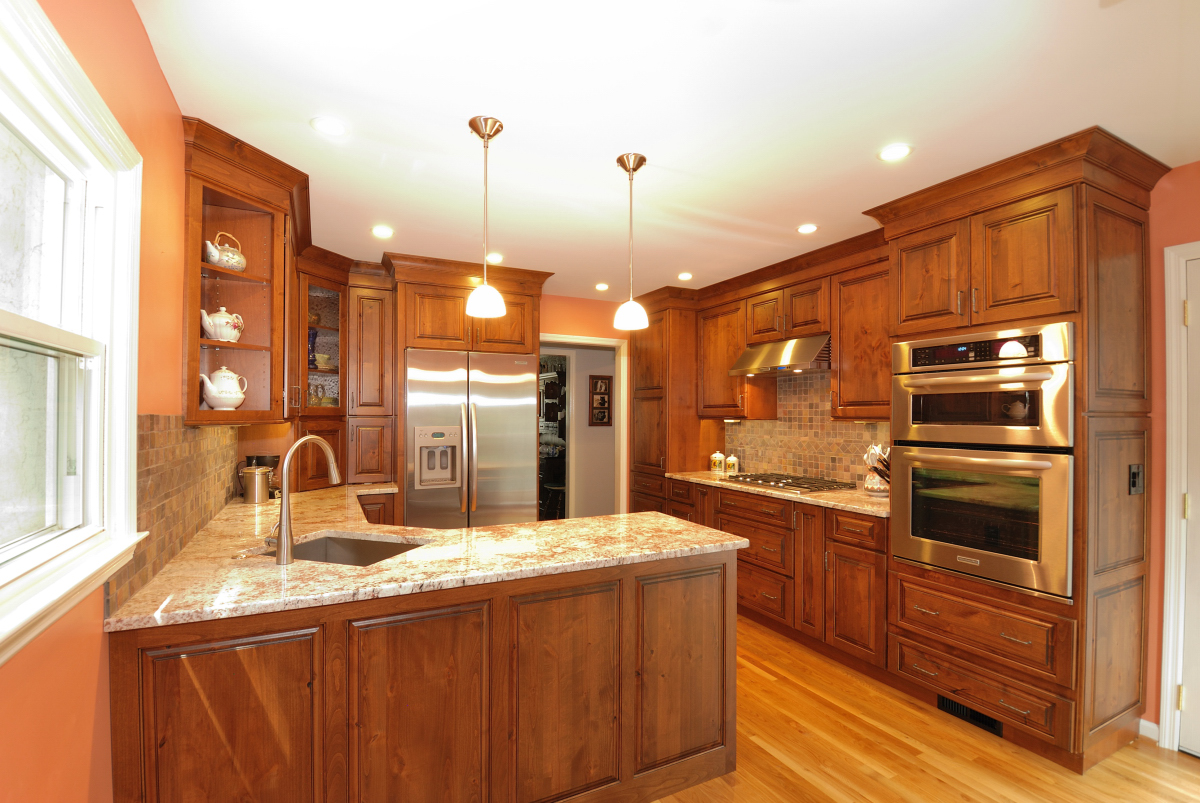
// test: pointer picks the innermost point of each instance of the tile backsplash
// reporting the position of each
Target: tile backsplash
(804, 439)
(185, 475)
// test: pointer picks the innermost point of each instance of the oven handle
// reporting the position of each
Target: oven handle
(994, 462)
(1034, 376)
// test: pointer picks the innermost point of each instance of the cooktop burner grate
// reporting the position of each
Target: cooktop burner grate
(791, 482)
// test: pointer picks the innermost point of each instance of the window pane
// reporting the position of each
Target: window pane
(29, 471)
(32, 214)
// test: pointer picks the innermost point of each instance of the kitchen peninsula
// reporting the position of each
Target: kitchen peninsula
(519, 662)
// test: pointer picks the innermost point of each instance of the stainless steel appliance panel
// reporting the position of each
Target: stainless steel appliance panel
(436, 395)
(1005, 516)
(502, 438)
(1056, 344)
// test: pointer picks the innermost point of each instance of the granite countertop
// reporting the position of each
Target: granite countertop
(854, 501)
(222, 572)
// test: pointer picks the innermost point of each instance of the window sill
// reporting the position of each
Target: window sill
(35, 600)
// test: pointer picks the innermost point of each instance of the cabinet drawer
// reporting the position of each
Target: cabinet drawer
(649, 484)
(640, 503)
(681, 491)
(1024, 707)
(1039, 643)
(759, 507)
(864, 531)
(765, 592)
(679, 510)
(769, 547)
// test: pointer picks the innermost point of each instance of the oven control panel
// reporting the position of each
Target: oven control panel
(1025, 348)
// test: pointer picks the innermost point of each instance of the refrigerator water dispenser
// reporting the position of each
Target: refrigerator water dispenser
(438, 457)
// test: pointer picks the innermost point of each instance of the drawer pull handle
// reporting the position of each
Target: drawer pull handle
(1017, 640)
(852, 529)
(1024, 713)
(924, 671)
(768, 596)
(768, 549)
(926, 610)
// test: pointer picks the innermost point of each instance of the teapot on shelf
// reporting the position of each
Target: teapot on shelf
(223, 389)
(222, 325)
(224, 256)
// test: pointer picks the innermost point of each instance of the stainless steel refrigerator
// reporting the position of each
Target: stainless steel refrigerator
(472, 439)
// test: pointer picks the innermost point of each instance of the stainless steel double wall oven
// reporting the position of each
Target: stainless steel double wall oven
(982, 467)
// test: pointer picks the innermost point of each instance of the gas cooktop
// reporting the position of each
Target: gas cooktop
(790, 482)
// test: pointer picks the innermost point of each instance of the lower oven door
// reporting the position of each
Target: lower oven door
(1004, 516)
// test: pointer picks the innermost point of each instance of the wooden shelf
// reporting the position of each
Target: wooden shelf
(205, 343)
(333, 329)
(227, 273)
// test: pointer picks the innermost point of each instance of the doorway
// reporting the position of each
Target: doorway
(553, 398)
(1189, 714)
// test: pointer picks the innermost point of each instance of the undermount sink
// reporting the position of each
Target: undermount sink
(347, 551)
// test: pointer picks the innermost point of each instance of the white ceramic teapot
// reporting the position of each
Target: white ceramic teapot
(222, 325)
(223, 389)
(224, 256)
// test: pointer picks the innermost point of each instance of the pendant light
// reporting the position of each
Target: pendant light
(485, 301)
(631, 315)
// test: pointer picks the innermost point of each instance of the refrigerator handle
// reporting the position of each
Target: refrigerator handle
(474, 456)
(462, 464)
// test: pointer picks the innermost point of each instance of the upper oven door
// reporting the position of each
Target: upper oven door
(1028, 405)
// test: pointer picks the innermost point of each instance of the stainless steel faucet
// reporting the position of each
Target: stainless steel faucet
(284, 544)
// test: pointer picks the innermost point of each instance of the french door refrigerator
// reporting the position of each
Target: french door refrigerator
(472, 439)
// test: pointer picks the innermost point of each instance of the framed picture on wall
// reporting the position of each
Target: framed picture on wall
(601, 401)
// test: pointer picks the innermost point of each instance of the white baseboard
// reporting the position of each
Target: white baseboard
(1148, 729)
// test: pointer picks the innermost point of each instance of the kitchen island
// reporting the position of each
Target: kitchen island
(590, 658)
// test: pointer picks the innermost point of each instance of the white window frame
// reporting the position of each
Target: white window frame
(43, 86)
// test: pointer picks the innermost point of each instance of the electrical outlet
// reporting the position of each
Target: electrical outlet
(1137, 479)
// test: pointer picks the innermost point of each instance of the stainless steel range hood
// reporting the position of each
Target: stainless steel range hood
(801, 354)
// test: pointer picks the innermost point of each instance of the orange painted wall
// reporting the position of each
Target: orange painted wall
(1174, 220)
(54, 740)
(585, 317)
(109, 41)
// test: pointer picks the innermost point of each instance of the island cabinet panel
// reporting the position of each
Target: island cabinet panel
(856, 601)
(419, 705)
(566, 691)
(681, 684)
(931, 278)
(370, 354)
(860, 378)
(234, 720)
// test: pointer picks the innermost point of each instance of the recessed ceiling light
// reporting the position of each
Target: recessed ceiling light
(807, 228)
(382, 232)
(683, 277)
(495, 258)
(602, 287)
(328, 125)
(895, 152)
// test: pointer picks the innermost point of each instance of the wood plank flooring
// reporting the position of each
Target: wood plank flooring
(812, 730)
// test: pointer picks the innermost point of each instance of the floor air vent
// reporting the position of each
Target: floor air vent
(970, 715)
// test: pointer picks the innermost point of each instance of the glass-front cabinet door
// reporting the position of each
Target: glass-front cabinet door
(322, 354)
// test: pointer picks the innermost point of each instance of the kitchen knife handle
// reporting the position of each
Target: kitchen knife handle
(474, 456)
(462, 464)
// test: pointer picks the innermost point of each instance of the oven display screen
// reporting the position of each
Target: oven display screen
(1006, 348)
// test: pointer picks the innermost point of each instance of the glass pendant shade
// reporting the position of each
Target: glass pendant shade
(630, 315)
(485, 302)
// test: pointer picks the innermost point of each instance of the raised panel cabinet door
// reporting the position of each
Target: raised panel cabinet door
(312, 469)
(680, 689)
(856, 601)
(566, 693)
(511, 334)
(322, 306)
(648, 348)
(649, 434)
(722, 338)
(806, 308)
(436, 317)
(370, 454)
(810, 570)
(764, 317)
(378, 508)
(418, 689)
(234, 720)
(372, 361)
(1023, 259)
(861, 377)
(931, 276)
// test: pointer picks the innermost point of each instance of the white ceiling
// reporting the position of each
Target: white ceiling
(755, 115)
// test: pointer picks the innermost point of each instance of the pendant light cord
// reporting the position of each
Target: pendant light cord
(631, 235)
(485, 208)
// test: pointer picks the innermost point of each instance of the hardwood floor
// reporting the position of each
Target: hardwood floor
(812, 730)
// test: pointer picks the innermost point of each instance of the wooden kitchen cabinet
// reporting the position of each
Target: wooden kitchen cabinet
(322, 317)
(379, 508)
(809, 539)
(860, 377)
(722, 339)
(856, 601)
(931, 278)
(806, 308)
(370, 449)
(371, 354)
(312, 470)
(764, 317)
(642, 503)
(436, 318)
(649, 451)
(512, 334)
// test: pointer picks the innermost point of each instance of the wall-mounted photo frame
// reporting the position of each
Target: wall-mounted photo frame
(601, 401)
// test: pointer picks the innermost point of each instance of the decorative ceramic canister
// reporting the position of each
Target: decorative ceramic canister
(224, 256)
(731, 465)
(716, 462)
(223, 389)
(222, 325)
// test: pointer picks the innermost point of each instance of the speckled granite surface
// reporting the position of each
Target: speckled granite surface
(853, 501)
(221, 573)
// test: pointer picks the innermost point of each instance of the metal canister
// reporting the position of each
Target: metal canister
(256, 484)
